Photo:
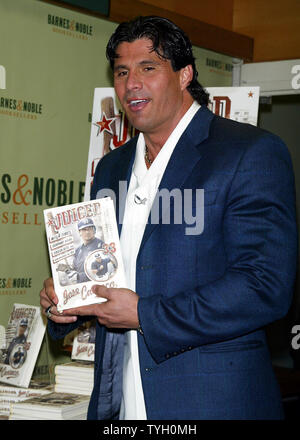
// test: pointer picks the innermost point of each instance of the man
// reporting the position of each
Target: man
(198, 300)
(18, 358)
(99, 267)
(20, 339)
(90, 242)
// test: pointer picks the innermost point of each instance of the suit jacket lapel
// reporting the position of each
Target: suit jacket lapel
(120, 177)
(185, 157)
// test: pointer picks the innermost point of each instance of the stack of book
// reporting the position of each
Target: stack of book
(9, 395)
(53, 406)
(75, 377)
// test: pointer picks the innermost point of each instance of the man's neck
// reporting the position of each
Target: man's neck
(156, 140)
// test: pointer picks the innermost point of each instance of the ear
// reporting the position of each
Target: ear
(186, 76)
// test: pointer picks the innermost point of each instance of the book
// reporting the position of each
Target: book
(34, 389)
(10, 395)
(24, 335)
(6, 403)
(84, 250)
(82, 368)
(83, 347)
(85, 389)
(53, 406)
(75, 377)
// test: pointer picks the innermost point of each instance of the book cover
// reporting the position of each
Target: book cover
(24, 335)
(83, 347)
(84, 250)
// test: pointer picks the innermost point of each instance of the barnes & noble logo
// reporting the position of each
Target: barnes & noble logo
(20, 108)
(70, 27)
(2, 77)
(219, 65)
(24, 192)
(14, 286)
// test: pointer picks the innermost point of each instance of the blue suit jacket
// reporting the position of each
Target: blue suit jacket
(204, 299)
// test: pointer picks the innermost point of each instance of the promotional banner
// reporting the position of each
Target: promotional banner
(110, 127)
(236, 103)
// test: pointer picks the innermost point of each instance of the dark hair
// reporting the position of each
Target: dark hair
(169, 42)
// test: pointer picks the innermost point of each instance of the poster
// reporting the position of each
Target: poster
(110, 127)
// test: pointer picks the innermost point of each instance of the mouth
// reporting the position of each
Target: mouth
(137, 104)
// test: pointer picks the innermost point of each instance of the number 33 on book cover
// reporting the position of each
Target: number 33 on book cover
(84, 250)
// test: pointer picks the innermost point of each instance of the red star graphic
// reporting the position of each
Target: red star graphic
(51, 222)
(105, 124)
(250, 95)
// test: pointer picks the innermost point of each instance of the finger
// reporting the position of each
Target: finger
(50, 292)
(101, 291)
(63, 319)
(90, 310)
(56, 316)
(44, 300)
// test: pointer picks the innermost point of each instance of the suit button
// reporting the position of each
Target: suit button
(175, 353)
(190, 348)
(182, 350)
(167, 356)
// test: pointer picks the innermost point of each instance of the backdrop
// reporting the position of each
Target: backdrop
(51, 60)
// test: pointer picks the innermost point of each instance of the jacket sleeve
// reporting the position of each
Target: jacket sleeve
(260, 240)
(59, 331)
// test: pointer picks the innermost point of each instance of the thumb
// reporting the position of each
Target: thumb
(101, 291)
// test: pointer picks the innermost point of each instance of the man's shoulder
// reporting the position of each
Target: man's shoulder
(243, 136)
(114, 156)
(98, 241)
(228, 129)
(224, 128)
(77, 250)
(259, 148)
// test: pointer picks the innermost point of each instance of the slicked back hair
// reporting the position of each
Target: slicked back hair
(168, 41)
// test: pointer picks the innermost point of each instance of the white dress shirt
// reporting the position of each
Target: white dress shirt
(141, 193)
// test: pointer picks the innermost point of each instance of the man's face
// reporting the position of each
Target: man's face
(22, 330)
(87, 234)
(150, 92)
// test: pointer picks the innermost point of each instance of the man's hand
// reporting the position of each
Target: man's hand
(48, 298)
(119, 311)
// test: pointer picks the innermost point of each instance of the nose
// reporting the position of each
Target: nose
(134, 81)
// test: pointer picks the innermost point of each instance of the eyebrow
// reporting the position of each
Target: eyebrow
(141, 63)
